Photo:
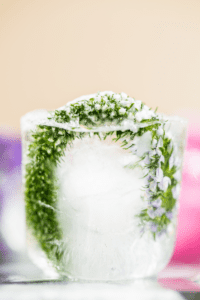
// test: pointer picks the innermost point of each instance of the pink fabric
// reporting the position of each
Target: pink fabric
(187, 249)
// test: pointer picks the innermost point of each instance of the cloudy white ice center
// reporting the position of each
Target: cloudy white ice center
(97, 188)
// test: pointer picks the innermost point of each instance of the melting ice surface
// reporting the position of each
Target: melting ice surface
(98, 202)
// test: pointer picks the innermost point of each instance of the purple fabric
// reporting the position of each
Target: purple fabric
(10, 153)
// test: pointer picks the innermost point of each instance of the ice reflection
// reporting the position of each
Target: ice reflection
(141, 289)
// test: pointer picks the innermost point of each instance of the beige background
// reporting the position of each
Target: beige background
(52, 51)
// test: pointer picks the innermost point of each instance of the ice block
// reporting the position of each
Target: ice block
(101, 182)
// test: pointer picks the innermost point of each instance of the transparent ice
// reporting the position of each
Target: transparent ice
(99, 200)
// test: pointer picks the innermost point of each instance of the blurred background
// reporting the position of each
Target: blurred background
(54, 51)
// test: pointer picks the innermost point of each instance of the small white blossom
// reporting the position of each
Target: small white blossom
(67, 109)
(139, 116)
(131, 100)
(117, 97)
(112, 105)
(105, 99)
(145, 107)
(153, 227)
(176, 191)
(138, 104)
(98, 98)
(158, 152)
(57, 142)
(159, 211)
(151, 213)
(146, 195)
(133, 128)
(112, 114)
(152, 113)
(160, 131)
(161, 159)
(97, 106)
(122, 111)
(154, 143)
(160, 142)
(168, 135)
(145, 115)
(159, 174)
(156, 203)
(152, 153)
(169, 215)
(131, 116)
(147, 160)
(153, 186)
(163, 185)
(177, 175)
(104, 107)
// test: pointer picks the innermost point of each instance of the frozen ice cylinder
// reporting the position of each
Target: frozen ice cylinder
(101, 181)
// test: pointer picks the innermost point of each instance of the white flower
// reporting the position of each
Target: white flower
(146, 195)
(138, 104)
(159, 211)
(151, 213)
(158, 152)
(98, 98)
(57, 142)
(139, 116)
(154, 143)
(112, 105)
(160, 131)
(159, 174)
(67, 109)
(131, 100)
(156, 203)
(160, 142)
(168, 135)
(112, 114)
(153, 186)
(145, 114)
(105, 98)
(163, 185)
(176, 191)
(177, 175)
(147, 160)
(131, 116)
(161, 159)
(152, 153)
(125, 124)
(133, 128)
(122, 111)
(104, 107)
(97, 106)
(152, 113)
(153, 227)
(145, 107)
(117, 96)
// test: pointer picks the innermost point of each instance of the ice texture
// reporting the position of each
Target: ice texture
(99, 200)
